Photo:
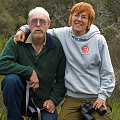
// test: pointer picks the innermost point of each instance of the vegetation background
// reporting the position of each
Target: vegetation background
(13, 14)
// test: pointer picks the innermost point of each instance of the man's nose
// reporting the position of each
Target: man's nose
(38, 23)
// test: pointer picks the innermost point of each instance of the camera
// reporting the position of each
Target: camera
(87, 108)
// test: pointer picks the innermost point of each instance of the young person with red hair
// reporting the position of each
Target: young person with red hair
(89, 74)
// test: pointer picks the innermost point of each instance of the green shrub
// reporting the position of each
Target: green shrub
(3, 41)
(2, 117)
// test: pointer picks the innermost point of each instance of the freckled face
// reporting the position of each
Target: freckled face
(79, 23)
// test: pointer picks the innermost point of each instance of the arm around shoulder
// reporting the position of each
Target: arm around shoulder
(20, 35)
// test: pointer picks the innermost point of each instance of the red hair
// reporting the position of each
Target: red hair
(83, 7)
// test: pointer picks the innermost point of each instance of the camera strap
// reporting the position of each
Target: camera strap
(27, 97)
(27, 101)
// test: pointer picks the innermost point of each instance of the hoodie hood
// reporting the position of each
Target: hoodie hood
(93, 31)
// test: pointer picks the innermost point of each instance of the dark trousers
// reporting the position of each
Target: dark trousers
(13, 90)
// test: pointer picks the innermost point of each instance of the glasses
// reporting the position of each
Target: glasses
(35, 21)
(83, 17)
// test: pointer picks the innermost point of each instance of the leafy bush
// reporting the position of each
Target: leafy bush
(3, 41)
(2, 117)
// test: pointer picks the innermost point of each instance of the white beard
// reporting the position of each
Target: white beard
(37, 36)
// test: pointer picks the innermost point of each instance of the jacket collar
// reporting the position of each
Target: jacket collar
(49, 42)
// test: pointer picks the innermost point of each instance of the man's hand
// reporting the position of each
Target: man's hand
(50, 106)
(34, 81)
(98, 103)
(19, 37)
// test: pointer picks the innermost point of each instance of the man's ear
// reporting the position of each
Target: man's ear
(28, 23)
(49, 22)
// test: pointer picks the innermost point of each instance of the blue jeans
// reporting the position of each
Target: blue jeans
(12, 89)
(47, 116)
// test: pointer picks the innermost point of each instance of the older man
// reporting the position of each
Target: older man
(39, 60)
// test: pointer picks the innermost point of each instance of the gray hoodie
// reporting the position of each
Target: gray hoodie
(89, 72)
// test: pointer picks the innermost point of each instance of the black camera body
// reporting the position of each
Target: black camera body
(87, 108)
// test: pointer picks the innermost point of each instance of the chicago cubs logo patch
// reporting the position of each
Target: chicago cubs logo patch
(85, 49)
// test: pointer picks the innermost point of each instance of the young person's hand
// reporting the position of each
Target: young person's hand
(19, 37)
(98, 103)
